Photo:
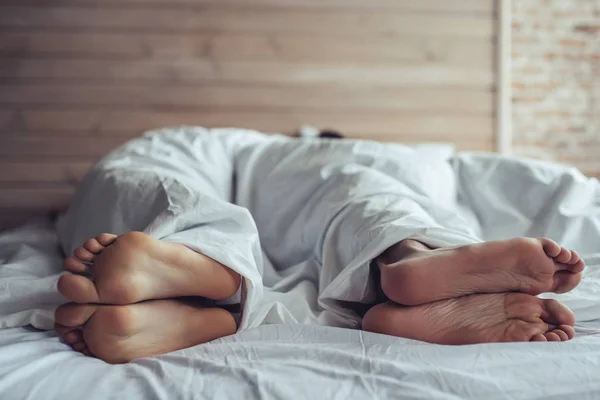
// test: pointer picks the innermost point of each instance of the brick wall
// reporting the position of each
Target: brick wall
(556, 81)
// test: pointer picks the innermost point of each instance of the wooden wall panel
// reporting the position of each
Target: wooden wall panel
(319, 99)
(79, 77)
(331, 21)
(257, 73)
(115, 123)
(64, 172)
(441, 6)
(471, 52)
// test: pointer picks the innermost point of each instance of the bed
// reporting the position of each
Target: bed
(291, 352)
(80, 80)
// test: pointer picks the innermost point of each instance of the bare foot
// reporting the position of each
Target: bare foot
(413, 274)
(483, 318)
(118, 334)
(133, 267)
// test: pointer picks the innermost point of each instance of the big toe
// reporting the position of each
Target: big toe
(565, 281)
(78, 289)
(75, 266)
(74, 315)
(555, 313)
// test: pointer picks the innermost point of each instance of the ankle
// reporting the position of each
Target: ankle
(401, 274)
(226, 321)
(404, 249)
(230, 285)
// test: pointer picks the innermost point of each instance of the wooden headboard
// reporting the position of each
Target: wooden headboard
(79, 77)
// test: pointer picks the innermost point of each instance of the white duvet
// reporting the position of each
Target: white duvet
(308, 217)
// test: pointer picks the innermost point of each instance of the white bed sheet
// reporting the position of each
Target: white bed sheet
(295, 361)
(499, 198)
(290, 361)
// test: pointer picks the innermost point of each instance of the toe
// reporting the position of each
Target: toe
(93, 246)
(83, 254)
(74, 315)
(75, 266)
(574, 257)
(539, 338)
(555, 313)
(552, 337)
(87, 352)
(561, 334)
(565, 281)
(564, 256)
(62, 329)
(573, 264)
(578, 266)
(568, 330)
(551, 248)
(73, 337)
(78, 289)
(79, 346)
(106, 239)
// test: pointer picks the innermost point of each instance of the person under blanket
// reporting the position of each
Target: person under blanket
(132, 295)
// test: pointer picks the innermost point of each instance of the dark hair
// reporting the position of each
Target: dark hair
(330, 133)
